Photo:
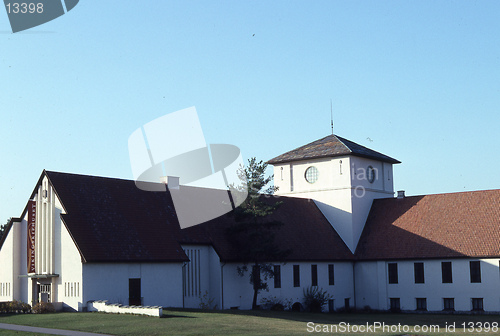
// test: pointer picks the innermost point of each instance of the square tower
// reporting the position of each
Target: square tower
(341, 176)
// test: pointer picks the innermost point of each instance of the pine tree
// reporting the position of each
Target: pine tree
(253, 233)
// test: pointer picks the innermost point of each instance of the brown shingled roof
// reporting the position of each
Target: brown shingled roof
(111, 220)
(330, 146)
(305, 231)
(465, 224)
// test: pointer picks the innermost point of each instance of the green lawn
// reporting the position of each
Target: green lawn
(197, 322)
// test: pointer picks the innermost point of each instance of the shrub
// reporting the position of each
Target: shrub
(43, 308)
(206, 302)
(315, 298)
(277, 307)
(276, 303)
(14, 307)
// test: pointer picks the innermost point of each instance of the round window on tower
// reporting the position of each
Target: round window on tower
(311, 174)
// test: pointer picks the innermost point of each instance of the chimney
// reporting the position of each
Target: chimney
(171, 181)
(401, 194)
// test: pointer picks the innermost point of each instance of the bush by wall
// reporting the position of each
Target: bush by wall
(16, 307)
(315, 298)
(43, 308)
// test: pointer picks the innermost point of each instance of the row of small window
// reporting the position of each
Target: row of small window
(72, 289)
(296, 275)
(5, 289)
(446, 272)
(448, 304)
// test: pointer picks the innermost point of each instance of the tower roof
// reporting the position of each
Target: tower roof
(330, 146)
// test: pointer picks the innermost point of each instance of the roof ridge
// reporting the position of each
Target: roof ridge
(342, 142)
(330, 146)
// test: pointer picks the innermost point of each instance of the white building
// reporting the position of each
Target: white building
(83, 238)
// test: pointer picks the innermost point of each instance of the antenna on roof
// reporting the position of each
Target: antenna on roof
(331, 113)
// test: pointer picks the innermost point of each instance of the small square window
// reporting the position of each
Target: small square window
(477, 304)
(421, 304)
(395, 304)
(449, 304)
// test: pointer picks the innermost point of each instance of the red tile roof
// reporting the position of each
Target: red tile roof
(465, 224)
(330, 146)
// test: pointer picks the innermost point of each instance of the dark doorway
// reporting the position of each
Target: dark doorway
(134, 292)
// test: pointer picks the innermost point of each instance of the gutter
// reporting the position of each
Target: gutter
(183, 283)
(222, 285)
(354, 283)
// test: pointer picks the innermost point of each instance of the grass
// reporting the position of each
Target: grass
(203, 323)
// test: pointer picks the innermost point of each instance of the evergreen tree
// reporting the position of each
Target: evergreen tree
(3, 227)
(253, 233)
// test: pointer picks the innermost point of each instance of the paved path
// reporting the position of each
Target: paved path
(47, 330)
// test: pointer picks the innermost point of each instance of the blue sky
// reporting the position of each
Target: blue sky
(416, 80)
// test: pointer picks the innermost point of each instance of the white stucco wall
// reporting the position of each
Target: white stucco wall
(68, 264)
(373, 288)
(238, 291)
(342, 192)
(197, 276)
(7, 267)
(161, 283)
(13, 257)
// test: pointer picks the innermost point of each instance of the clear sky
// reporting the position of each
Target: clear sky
(416, 80)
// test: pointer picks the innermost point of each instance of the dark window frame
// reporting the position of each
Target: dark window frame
(395, 304)
(477, 304)
(331, 275)
(296, 275)
(421, 304)
(446, 272)
(419, 273)
(392, 269)
(277, 276)
(314, 275)
(475, 271)
(449, 304)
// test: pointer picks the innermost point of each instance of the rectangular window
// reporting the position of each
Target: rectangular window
(314, 275)
(277, 276)
(421, 304)
(331, 275)
(475, 271)
(291, 177)
(418, 268)
(449, 304)
(296, 276)
(477, 304)
(446, 272)
(395, 304)
(347, 304)
(393, 273)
